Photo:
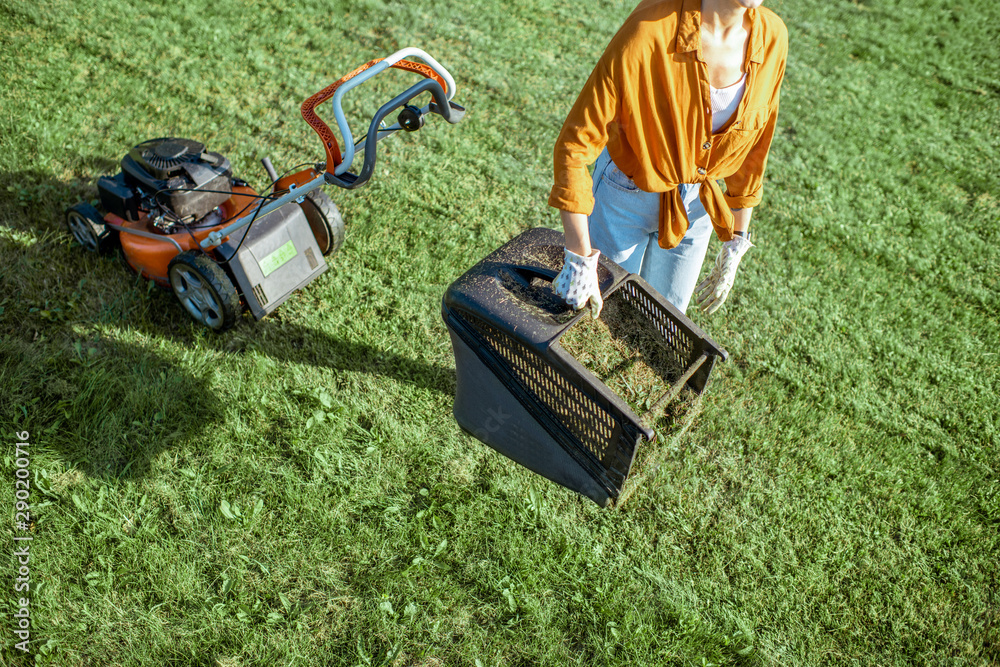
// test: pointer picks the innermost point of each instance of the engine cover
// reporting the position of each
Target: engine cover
(184, 177)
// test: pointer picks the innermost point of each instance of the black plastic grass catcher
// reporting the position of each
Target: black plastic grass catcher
(553, 389)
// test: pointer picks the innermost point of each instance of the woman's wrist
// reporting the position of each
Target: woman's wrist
(576, 233)
(741, 221)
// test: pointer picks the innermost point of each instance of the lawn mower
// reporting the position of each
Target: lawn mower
(181, 220)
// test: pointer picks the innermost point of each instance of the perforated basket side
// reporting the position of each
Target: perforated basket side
(677, 341)
(573, 413)
(684, 340)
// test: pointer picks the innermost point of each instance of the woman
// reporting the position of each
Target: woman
(685, 94)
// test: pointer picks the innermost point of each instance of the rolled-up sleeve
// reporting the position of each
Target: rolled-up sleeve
(745, 188)
(583, 137)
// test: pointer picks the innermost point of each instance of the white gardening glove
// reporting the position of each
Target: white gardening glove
(577, 283)
(711, 292)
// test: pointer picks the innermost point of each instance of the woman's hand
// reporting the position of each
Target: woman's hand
(711, 293)
(577, 283)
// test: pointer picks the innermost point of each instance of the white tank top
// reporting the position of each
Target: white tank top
(725, 101)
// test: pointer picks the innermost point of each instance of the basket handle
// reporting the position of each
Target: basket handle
(529, 273)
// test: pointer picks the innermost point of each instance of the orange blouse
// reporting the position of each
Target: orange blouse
(648, 100)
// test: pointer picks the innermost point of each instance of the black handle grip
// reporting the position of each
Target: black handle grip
(450, 112)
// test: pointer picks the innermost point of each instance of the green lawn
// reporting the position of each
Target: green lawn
(296, 492)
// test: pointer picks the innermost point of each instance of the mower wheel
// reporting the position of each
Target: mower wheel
(87, 227)
(325, 221)
(204, 290)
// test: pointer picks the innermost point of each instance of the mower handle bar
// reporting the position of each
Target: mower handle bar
(336, 164)
(338, 174)
(376, 133)
(378, 68)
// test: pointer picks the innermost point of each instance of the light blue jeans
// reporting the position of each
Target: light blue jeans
(624, 228)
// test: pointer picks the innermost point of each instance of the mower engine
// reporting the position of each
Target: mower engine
(176, 179)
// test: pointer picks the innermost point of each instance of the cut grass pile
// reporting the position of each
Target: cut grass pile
(624, 351)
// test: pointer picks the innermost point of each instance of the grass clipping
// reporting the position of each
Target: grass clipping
(624, 350)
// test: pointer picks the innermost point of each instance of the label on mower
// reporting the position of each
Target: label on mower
(276, 259)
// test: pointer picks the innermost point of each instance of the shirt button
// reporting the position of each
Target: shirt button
(706, 145)
(701, 171)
